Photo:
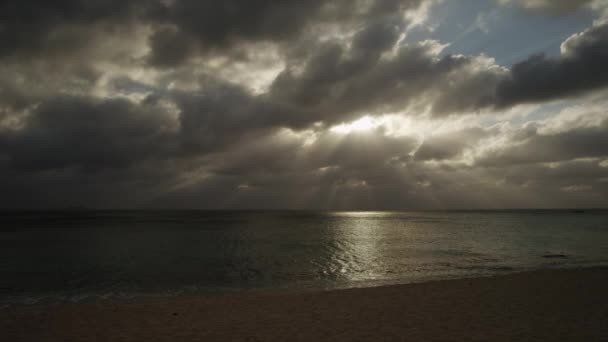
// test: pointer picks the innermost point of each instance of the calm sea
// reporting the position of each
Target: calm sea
(87, 255)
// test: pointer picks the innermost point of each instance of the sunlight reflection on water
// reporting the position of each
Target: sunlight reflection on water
(105, 253)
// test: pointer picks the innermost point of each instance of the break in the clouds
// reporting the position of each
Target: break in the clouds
(322, 104)
(554, 6)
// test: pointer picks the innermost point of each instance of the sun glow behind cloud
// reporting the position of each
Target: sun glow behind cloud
(363, 124)
(395, 125)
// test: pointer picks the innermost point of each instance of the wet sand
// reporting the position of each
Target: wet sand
(565, 305)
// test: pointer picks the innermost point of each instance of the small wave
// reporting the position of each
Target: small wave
(555, 256)
(487, 268)
(57, 298)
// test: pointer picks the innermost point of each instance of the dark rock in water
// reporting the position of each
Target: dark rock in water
(555, 256)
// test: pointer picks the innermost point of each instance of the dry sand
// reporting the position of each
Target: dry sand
(564, 305)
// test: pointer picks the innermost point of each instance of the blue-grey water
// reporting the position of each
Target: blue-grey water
(80, 255)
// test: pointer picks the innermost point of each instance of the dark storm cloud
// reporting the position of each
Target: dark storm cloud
(93, 133)
(338, 84)
(581, 68)
(170, 47)
(87, 133)
(530, 146)
(29, 27)
(220, 114)
(112, 133)
(205, 27)
(24, 85)
(130, 186)
(219, 23)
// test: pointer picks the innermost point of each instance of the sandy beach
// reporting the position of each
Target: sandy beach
(551, 305)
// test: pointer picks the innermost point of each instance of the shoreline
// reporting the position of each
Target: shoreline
(567, 304)
(54, 300)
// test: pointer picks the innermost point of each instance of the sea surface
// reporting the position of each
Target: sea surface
(93, 255)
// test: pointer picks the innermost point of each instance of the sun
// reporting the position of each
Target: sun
(363, 124)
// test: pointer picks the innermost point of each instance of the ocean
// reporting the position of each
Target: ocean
(95, 255)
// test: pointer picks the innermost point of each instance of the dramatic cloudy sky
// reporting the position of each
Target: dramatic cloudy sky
(316, 104)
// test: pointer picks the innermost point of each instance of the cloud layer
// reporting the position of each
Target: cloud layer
(325, 104)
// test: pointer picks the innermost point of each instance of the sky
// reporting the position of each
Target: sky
(319, 104)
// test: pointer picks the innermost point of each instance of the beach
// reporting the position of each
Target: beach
(545, 305)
